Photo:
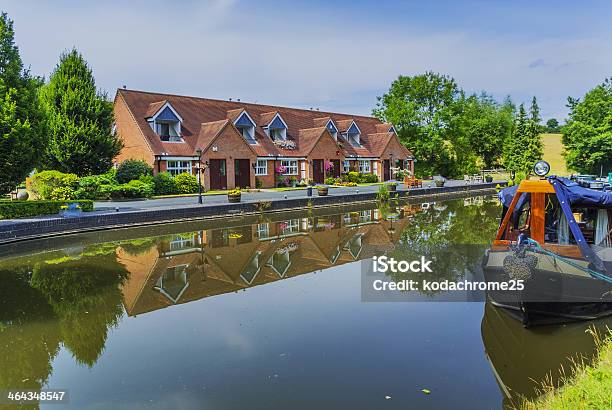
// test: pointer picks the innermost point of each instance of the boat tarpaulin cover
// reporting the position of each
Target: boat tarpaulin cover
(577, 195)
(505, 195)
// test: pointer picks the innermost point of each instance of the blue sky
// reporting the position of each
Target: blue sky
(335, 55)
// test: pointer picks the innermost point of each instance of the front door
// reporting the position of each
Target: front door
(218, 175)
(242, 171)
(336, 170)
(386, 170)
(317, 171)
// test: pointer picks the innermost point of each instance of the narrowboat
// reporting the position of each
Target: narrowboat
(553, 249)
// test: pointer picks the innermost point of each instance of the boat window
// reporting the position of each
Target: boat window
(519, 221)
(595, 224)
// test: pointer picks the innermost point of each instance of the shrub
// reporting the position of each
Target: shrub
(329, 181)
(133, 189)
(164, 184)
(25, 209)
(96, 186)
(354, 177)
(186, 183)
(62, 193)
(258, 183)
(383, 193)
(369, 178)
(132, 169)
(43, 183)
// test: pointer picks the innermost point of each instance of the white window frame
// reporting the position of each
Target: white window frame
(365, 166)
(278, 134)
(178, 167)
(333, 133)
(346, 165)
(263, 230)
(261, 169)
(291, 226)
(290, 165)
(248, 133)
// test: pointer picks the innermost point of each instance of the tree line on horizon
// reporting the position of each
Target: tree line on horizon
(65, 123)
(454, 134)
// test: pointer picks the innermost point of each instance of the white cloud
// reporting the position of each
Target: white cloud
(216, 49)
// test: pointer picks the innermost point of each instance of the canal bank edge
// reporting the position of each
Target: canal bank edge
(34, 229)
(590, 386)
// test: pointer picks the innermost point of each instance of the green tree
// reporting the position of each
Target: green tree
(515, 145)
(533, 147)
(587, 136)
(552, 125)
(486, 125)
(80, 120)
(425, 110)
(21, 119)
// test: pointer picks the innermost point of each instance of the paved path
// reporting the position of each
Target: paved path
(264, 195)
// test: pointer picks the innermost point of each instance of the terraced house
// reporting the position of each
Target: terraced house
(248, 145)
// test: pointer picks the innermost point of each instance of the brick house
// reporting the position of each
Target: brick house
(243, 142)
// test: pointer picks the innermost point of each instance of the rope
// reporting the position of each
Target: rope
(593, 273)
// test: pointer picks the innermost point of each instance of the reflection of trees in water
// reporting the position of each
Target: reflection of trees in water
(29, 332)
(86, 298)
(73, 300)
(455, 236)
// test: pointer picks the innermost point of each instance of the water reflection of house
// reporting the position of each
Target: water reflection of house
(190, 266)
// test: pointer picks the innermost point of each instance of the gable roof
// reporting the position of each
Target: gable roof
(209, 132)
(195, 112)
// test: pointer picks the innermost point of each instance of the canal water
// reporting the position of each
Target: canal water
(265, 312)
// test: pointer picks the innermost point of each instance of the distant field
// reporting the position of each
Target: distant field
(553, 147)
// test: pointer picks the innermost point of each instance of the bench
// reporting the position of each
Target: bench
(412, 182)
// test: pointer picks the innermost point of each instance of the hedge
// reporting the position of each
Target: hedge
(24, 209)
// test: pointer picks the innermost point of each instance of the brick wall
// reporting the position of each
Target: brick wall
(230, 146)
(325, 149)
(134, 144)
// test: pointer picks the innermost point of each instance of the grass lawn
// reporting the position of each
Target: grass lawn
(553, 148)
(589, 388)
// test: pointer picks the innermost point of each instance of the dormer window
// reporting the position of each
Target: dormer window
(353, 135)
(332, 129)
(277, 129)
(167, 124)
(246, 126)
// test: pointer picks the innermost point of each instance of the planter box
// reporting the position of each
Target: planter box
(233, 198)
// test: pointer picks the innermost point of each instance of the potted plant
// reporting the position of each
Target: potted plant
(392, 186)
(322, 190)
(233, 195)
(439, 182)
(489, 178)
(293, 181)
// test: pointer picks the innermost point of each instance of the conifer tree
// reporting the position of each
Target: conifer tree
(533, 147)
(80, 119)
(515, 146)
(21, 120)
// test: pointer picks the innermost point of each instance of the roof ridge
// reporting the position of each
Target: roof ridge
(246, 103)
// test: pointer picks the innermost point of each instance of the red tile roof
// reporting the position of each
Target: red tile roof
(202, 117)
(266, 118)
(154, 108)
